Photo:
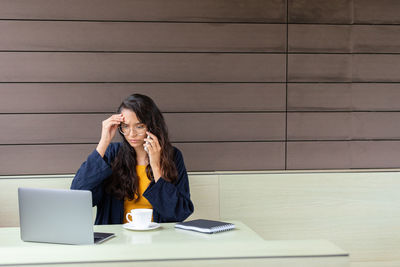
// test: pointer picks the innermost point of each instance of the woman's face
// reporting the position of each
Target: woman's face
(135, 131)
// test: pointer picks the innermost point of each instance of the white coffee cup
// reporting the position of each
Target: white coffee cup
(140, 217)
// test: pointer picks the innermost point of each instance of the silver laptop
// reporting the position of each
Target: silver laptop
(57, 216)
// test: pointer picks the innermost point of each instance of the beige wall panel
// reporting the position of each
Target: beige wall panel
(43, 159)
(319, 38)
(9, 215)
(233, 156)
(376, 68)
(376, 39)
(316, 11)
(356, 211)
(170, 97)
(343, 126)
(136, 36)
(150, 10)
(344, 96)
(318, 155)
(319, 68)
(377, 12)
(204, 193)
(141, 67)
(183, 127)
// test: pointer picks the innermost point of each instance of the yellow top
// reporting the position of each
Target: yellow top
(141, 202)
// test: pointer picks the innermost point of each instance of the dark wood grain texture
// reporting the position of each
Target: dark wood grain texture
(150, 10)
(170, 97)
(183, 127)
(139, 67)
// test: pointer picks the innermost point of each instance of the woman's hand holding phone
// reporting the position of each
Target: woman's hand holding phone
(108, 131)
(153, 149)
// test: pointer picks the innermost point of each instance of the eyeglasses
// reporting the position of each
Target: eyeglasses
(139, 129)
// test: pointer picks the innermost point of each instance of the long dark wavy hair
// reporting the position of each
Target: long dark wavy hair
(123, 183)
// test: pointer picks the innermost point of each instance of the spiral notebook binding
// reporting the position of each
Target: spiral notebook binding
(205, 226)
(222, 228)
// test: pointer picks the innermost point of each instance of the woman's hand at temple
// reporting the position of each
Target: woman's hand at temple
(108, 131)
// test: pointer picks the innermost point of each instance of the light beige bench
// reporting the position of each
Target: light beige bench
(357, 210)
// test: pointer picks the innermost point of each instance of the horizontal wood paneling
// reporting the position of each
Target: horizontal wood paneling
(136, 36)
(376, 39)
(234, 156)
(344, 96)
(150, 10)
(319, 68)
(226, 126)
(99, 97)
(138, 67)
(43, 159)
(343, 126)
(320, 38)
(344, 68)
(183, 127)
(343, 154)
(59, 159)
(376, 68)
(318, 155)
(344, 38)
(316, 11)
(377, 12)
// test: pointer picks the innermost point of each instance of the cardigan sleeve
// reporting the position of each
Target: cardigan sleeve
(171, 201)
(94, 171)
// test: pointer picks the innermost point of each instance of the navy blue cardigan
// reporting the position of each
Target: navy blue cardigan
(171, 202)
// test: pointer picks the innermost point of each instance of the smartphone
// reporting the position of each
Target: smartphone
(145, 148)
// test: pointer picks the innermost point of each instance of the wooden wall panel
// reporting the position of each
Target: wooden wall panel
(343, 155)
(377, 12)
(376, 68)
(170, 97)
(344, 38)
(234, 156)
(319, 68)
(318, 155)
(150, 10)
(43, 159)
(376, 38)
(344, 96)
(183, 127)
(319, 38)
(316, 11)
(65, 159)
(343, 126)
(136, 36)
(139, 67)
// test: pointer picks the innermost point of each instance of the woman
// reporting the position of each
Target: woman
(144, 171)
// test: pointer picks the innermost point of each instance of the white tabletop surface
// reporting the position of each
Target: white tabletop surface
(164, 243)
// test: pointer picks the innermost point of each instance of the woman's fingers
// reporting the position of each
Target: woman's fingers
(153, 140)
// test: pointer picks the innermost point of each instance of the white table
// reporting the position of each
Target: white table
(167, 246)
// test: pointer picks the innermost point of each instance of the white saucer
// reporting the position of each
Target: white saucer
(131, 226)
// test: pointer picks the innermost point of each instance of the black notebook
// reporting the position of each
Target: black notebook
(205, 226)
